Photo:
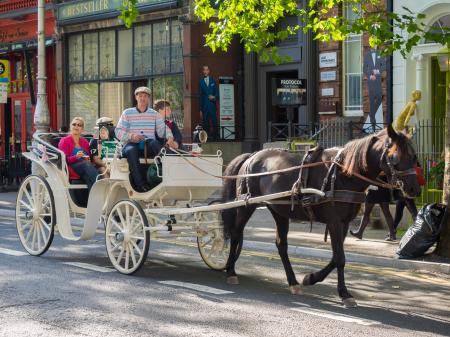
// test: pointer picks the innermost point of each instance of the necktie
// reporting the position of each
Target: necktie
(207, 81)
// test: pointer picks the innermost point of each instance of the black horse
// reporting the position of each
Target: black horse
(385, 151)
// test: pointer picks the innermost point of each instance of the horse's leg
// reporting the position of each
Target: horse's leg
(337, 234)
(282, 224)
(243, 214)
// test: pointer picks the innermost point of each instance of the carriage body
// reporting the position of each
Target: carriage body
(46, 202)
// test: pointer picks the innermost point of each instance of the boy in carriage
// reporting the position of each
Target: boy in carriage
(165, 111)
(136, 130)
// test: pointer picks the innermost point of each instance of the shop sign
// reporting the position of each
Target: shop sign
(290, 92)
(328, 92)
(71, 10)
(21, 32)
(327, 60)
(4, 80)
(226, 103)
(328, 76)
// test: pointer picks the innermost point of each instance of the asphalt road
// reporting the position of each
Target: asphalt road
(73, 291)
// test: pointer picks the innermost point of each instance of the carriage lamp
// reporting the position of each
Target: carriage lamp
(199, 135)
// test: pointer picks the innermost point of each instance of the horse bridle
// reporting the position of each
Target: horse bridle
(395, 182)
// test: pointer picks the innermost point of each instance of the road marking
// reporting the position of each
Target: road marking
(335, 316)
(89, 267)
(197, 287)
(12, 252)
(162, 263)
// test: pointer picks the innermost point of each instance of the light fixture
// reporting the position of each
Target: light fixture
(444, 59)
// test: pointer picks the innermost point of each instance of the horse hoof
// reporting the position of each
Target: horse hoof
(232, 280)
(296, 290)
(349, 302)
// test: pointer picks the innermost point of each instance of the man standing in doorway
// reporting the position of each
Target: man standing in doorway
(374, 65)
(208, 97)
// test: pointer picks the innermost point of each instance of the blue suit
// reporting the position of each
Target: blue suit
(208, 107)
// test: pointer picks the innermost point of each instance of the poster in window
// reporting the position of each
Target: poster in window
(290, 92)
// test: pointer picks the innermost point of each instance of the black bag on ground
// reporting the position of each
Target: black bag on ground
(423, 233)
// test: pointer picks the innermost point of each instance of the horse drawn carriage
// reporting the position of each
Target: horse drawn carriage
(327, 187)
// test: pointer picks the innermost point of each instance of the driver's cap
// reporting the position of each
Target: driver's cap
(104, 120)
(142, 89)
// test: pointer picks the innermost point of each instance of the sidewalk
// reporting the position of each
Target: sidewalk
(260, 235)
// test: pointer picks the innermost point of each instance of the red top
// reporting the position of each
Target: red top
(66, 145)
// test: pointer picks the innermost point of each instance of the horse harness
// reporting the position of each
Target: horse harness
(308, 201)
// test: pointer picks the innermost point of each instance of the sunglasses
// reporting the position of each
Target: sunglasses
(77, 124)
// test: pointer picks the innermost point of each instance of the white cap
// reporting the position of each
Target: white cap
(142, 89)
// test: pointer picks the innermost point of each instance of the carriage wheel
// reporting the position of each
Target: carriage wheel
(35, 215)
(127, 236)
(212, 245)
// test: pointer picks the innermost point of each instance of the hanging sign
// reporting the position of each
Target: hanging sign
(226, 101)
(4, 80)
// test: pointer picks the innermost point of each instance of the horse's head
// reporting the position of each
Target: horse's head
(398, 162)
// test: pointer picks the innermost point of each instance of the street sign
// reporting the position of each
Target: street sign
(226, 98)
(4, 80)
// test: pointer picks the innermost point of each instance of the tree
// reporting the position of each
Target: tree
(255, 24)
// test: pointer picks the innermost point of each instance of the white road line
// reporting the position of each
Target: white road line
(198, 287)
(335, 316)
(162, 263)
(12, 252)
(89, 267)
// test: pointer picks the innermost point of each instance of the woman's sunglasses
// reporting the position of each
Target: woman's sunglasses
(77, 124)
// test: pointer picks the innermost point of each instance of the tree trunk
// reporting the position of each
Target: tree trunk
(443, 248)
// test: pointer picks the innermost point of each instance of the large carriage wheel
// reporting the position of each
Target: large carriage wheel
(212, 245)
(127, 236)
(35, 215)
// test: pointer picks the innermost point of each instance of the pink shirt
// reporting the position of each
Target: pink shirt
(66, 145)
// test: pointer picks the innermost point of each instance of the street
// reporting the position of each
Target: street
(72, 290)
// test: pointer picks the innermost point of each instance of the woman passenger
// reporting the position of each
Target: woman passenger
(76, 149)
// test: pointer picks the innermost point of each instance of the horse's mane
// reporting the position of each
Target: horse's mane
(354, 153)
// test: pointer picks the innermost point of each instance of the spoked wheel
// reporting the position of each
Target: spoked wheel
(35, 215)
(212, 245)
(127, 236)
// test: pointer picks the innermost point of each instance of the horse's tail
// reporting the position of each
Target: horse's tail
(229, 192)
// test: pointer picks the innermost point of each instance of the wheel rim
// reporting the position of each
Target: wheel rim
(35, 215)
(213, 248)
(127, 239)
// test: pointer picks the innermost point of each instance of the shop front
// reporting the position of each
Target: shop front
(18, 53)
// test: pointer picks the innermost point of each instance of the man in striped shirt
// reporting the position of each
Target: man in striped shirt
(136, 129)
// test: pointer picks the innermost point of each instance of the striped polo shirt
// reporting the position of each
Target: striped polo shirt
(141, 123)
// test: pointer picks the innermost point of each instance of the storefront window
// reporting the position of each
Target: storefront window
(170, 88)
(176, 46)
(84, 103)
(125, 53)
(114, 98)
(107, 54)
(161, 47)
(143, 50)
(91, 56)
(76, 57)
(116, 61)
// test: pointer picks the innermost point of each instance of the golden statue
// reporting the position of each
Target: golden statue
(401, 123)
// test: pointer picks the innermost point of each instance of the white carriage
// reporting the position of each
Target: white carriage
(46, 204)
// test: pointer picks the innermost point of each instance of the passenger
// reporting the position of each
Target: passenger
(164, 109)
(98, 147)
(136, 129)
(76, 149)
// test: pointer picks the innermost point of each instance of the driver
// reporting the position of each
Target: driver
(136, 129)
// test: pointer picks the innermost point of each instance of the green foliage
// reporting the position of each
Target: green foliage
(256, 24)
(129, 13)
